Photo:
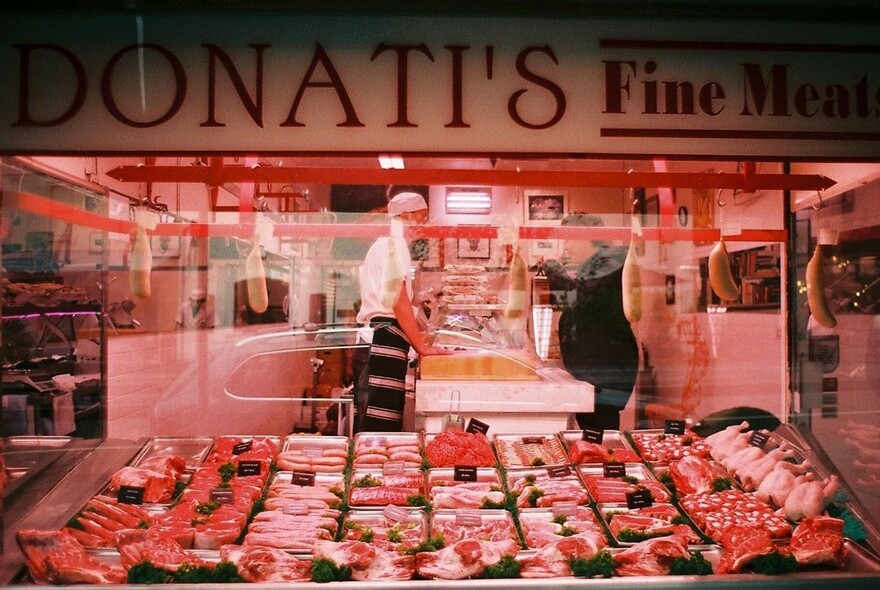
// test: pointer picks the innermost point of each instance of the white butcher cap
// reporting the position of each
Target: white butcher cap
(406, 203)
(198, 294)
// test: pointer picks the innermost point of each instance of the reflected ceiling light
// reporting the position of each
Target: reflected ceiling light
(469, 200)
(391, 161)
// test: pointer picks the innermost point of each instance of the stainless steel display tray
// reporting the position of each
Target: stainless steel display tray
(192, 449)
(529, 450)
(612, 440)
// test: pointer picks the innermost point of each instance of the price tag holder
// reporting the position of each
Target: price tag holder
(303, 478)
(312, 452)
(222, 495)
(395, 513)
(470, 518)
(592, 435)
(533, 440)
(296, 508)
(464, 473)
(130, 495)
(674, 427)
(759, 439)
(559, 471)
(639, 499)
(475, 426)
(393, 468)
(614, 470)
(246, 468)
(243, 447)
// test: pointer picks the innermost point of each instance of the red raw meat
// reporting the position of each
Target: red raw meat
(173, 465)
(582, 451)
(463, 559)
(652, 557)
(366, 562)
(138, 545)
(819, 540)
(458, 447)
(635, 522)
(553, 560)
(741, 545)
(158, 486)
(692, 475)
(264, 564)
(56, 557)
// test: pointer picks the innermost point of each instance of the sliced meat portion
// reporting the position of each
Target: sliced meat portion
(264, 564)
(367, 562)
(553, 560)
(741, 545)
(56, 557)
(692, 475)
(652, 557)
(463, 559)
(158, 486)
(819, 540)
(138, 545)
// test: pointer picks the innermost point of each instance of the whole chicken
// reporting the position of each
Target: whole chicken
(754, 473)
(810, 498)
(728, 441)
(740, 459)
(779, 482)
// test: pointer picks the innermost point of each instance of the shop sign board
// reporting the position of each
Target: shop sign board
(296, 83)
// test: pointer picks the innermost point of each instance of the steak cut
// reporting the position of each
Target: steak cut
(56, 557)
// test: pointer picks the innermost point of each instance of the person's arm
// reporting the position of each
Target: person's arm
(403, 311)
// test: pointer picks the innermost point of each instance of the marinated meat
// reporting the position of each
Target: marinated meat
(264, 564)
(56, 557)
(367, 562)
(552, 560)
(741, 545)
(652, 557)
(463, 559)
(663, 448)
(819, 540)
(692, 475)
(138, 545)
(458, 447)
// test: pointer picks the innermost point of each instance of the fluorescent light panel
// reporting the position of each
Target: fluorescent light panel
(391, 161)
(473, 201)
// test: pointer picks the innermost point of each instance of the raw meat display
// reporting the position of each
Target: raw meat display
(810, 498)
(390, 534)
(554, 558)
(483, 525)
(457, 447)
(244, 448)
(97, 524)
(367, 562)
(582, 451)
(715, 513)
(377, 489)
(464, 559)
(614, 490)
(741, 545)
(776, 486)
(543, 527)
(265, 564)
(374, 450)
(692, 475)
(651, 557)
(138, 545)
(158, 486)
(538, 489)
(294, 532)
(725, 443)
(631, 526)
(819, 540)
(529, 451)
(444, 491)
(324, 492)
(55, 557)
(311, 453)
(658, 447)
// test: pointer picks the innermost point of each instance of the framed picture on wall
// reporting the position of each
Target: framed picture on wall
(474, 247)
(165, 246)
(545, 207)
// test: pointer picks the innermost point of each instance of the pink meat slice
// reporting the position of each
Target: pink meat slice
(819, 540)
(56, 557)
(265, 564)
(652, 557)
(138, 545)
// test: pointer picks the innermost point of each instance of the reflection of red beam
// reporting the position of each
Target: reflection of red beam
(543, 178)
(46, 207)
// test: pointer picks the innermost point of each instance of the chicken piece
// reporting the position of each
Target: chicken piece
(754, 473)
(692, 475)
(464, 559)
(366, 561)
(810, 498)
(554, 559)
(779, 482)
(651, 557)
(743, 457)
(819, 540)
(726, 442)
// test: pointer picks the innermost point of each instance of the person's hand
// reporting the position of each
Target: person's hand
(435, 351)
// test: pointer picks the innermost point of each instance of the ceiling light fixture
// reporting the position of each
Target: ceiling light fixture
(391, 161)
(469, 200)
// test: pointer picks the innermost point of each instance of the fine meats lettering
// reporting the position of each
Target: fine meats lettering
(766, 91)
(320, 75)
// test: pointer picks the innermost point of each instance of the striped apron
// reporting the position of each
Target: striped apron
(386, 370)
